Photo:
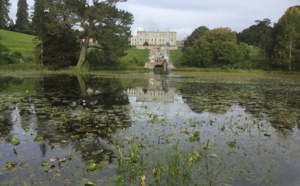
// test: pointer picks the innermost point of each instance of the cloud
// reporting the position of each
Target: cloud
(185, 16)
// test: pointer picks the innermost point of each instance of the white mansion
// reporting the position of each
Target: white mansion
(154, 38)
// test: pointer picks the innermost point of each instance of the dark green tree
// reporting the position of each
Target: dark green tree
(216, 48)
(39, 18)
(57, 42)
(102, 21)
(4, 10)
(258, 35)
(11, 25)
(22, 21)
(195, 35)
(285, 50)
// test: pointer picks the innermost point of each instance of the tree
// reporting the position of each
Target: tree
(11, 25)
(103, 21)
(39, 17)
(195, 35)
(22, 22)
(216, 48)
(286, 45)
(146, 43)
(4, 10)
(258, 35)
(57, 42)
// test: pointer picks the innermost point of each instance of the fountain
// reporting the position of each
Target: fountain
(159, 56)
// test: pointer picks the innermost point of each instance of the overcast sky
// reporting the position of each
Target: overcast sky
(184, 16)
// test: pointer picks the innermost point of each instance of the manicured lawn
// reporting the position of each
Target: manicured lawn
(139, 56)
(175, 57)
(17, 42)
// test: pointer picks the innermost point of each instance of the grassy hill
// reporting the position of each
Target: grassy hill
(136, 56)
(17, 42)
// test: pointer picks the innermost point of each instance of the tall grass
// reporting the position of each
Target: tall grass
(22, 67)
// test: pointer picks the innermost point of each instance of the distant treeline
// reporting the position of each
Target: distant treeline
(279, 45)
(63, 30)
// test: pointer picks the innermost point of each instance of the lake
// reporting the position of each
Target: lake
(134, 128)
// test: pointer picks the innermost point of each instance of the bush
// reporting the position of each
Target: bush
(7, 58)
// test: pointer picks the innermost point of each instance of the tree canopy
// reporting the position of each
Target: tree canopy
(22, 22)
(285, 49)
(64, 25)
(196, 34)
(216, 48)
(4, 10)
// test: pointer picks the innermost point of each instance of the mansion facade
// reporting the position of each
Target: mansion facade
(146, 39)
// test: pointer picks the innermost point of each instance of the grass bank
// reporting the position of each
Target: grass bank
(17, 42)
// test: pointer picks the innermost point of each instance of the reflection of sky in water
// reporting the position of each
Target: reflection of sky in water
(257, 157)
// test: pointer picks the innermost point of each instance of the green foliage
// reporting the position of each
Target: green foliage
(22, 22)
(196, 34)
(4, 10)
(57, 44)
(7, 58)
(285, 49)
(146, 43)
(60, 50)
(103, 21)
(216, 48)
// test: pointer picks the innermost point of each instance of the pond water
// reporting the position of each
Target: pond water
(130, 128)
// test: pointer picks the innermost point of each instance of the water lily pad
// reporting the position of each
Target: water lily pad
(91, 166)
(9, 165)
(15, 141)
(38, 139)
(44, 163)
(89, 184)
(231, 144)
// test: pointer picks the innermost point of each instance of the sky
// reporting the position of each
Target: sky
(184, 16)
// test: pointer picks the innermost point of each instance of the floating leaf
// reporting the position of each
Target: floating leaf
(15, 141)
(9, 165)
(44, 163)
(52, 166)
(197, 134)
(231, 144)
(195, 137)
(266, 134)
(185, 132)
(38, 139)
(212, 155)
(91, 166)
(89, 184)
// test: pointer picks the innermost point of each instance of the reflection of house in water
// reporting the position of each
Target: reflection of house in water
(157, 91)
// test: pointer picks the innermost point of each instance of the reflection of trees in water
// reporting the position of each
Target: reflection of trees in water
(84, 112)
(7, 82)
(5, 123)
(16, 103)
(278, 104)
(60, 90)
(56, 112)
